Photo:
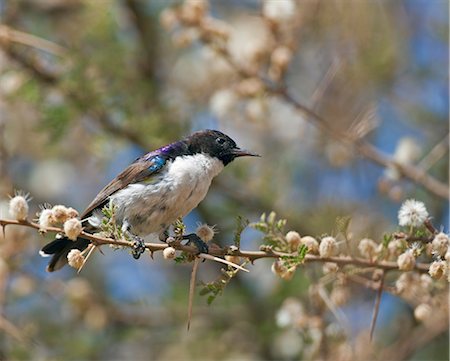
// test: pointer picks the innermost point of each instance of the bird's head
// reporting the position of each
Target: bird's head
(217, 145)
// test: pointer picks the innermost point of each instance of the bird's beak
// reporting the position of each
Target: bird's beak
(237, 152)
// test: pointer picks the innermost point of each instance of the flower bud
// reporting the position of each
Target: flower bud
(72, 228)
(406, 261)
(327, 247)
(18, 207)
(310, 243)
(60, 213)
(293, 239)
(438, 269)
(205, 232)
(75, 258)
(169, 253)
(367, 248)
(46, 218)
(422, 312)
(440, 244)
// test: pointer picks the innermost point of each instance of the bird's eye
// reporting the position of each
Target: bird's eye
(221, 141)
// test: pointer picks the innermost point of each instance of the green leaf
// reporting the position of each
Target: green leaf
(241, 224)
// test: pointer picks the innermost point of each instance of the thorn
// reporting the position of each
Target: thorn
(377, 305)
(220, 260)
(192, 291)
(91, 250)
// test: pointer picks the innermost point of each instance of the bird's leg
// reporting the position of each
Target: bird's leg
(138, 247)
(197, 242)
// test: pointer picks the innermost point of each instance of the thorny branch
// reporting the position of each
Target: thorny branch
(364, 148)
(220, 252)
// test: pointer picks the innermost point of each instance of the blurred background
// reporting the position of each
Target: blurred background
(88, 86)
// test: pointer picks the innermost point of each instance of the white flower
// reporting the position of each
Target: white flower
(438, 269)
(60, 213)
(18, 207)
(422, 312)
(169, 253)
(327, 247)
(205, 232)
(367, 248)
(46, 218)
(278, 10)
(293, 239)
(440, 244)
(412, 213)
(310, 243)
(75, 258)
(406, 261)
(72, 228)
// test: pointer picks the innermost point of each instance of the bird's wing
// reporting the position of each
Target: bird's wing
(138, 171)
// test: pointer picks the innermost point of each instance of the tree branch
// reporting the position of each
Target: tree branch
(217, 251)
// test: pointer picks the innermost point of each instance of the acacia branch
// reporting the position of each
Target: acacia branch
(221, 252)
(364, 148)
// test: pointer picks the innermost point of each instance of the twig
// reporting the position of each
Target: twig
(192, 290)
(9, 34)
(365, 149)
(376, 308)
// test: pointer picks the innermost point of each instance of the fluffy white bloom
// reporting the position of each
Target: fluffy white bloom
(438, 269)
(327, 247)
(169, 253)
(293, 239)
(75, 258)
(440, 244)
(412, 213)
(422, 312)
(72, 228)
(367, 248)
(406, 261)
(60, 213)
(46, 218)
(278, 10)
(310, 243)
(18, 207)
(205, 232)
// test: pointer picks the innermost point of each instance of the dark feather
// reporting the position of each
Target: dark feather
(62, 247)
(135, 172)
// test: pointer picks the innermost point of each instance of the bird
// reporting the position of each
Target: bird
(154, 191)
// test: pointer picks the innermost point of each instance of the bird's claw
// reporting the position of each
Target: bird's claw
(138, 247)
(197, 242)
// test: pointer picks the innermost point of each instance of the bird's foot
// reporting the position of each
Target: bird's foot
(197, 242)
(138, 247)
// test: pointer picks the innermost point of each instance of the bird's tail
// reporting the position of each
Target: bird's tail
(59, 248)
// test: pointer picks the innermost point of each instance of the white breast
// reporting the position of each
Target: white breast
(151, 206)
